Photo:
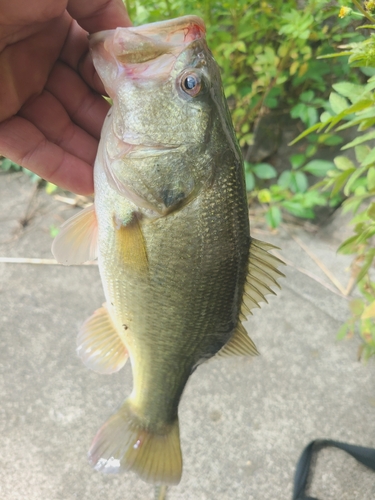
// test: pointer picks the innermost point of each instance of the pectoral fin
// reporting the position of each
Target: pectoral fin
(131, 249)
(77, 241)
(99, 345)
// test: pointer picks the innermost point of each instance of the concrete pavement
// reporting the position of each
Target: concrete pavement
(243, 422)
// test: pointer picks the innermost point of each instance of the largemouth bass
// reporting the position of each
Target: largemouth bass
(170, 229)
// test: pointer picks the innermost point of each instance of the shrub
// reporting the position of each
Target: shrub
(353, 105)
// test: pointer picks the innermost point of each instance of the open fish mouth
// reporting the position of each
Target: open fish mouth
(149, 50)
(164, 34)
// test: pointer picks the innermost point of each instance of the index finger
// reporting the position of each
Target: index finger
(98, 15)
(90, 16)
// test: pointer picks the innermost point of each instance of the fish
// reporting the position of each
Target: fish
(170, 229)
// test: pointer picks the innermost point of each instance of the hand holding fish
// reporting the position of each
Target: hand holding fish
(50, 111)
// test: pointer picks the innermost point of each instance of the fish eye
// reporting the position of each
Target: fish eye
(191, 84)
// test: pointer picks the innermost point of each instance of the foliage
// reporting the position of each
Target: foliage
(353, 105)
(290, 192)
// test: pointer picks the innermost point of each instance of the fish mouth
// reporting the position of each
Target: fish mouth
(149, 50)
(161, 35)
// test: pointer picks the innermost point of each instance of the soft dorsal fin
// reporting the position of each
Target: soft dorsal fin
(77, 241)
(262, 275)
(99, 345)
(240, 344)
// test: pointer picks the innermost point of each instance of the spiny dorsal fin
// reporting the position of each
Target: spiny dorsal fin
(99, 345)
(240, 344)
(76, 242)
(262, 275)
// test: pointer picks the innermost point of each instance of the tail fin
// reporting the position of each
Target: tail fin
(123, 443)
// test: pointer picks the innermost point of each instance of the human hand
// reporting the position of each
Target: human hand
(51, 110)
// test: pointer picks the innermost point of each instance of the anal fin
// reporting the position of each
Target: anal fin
(99, 345)
(240, 344)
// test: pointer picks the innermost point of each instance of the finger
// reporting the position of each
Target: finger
(85, 108)
(75, 54)
(26, 64)
(97, 15)
(21, 13)
(50, 117)
(23, 143)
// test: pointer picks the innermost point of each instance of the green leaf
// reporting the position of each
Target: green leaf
(348, 246)
(343, 331)
(366, 266)
(340, 180)
(7, 165)
(356, 307)
(358, 106)
(371, 178)
(354, 176)
(332, 140)
(359, 140)
(273, 216)
(369, 311)
(334, 55)
(343, 163)
(370, 158)
(371, 211)
(297, 160)
(352, 91)
(54, 231)
(248, 166)
(300, 182)
(337, 102)
(264, 171)
(352, 204)
(312, 116)
(250, 181)
(298, 210)
(305, 133)
(325, 116)
(284, 179)
(298, 111)
(319, 168)
(264, 196)
(361, 152)
(311, 150)
(50, 188)
(307, 96)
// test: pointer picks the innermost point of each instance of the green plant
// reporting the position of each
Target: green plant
(7, 165)
(290, 193)
(353, 105)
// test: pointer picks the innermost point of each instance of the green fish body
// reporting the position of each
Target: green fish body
(171, 232)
